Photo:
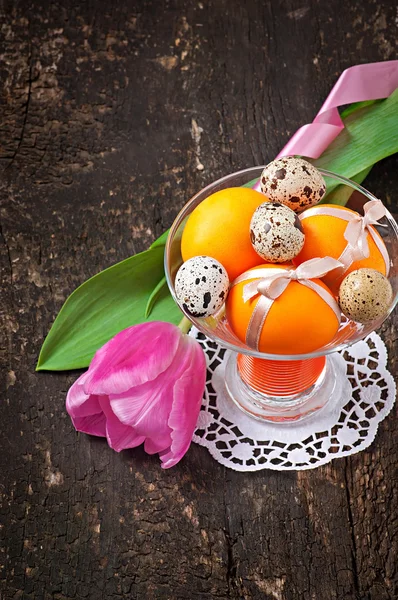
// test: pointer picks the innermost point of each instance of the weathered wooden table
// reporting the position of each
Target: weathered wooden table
(113, 114)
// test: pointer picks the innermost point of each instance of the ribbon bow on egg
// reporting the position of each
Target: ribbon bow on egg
(270, 283)
(273, 282)
(357, 230)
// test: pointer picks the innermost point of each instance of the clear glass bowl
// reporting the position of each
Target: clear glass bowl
(278, 406)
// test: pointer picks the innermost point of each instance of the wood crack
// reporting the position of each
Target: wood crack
(234, 583)
(231, 561)
(8, 254)
(232, 564)
(352, 532)
(27, 104)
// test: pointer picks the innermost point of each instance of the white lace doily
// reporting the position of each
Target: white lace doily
(346, 425)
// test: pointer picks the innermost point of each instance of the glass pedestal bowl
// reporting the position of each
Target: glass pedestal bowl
(275, 387)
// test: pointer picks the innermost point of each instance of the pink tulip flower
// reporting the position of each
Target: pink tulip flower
(143, 386)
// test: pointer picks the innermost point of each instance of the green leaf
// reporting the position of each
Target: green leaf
(355, 106)
(370, 134)
(104, 305)
(250, 184)
(342, 193)
(154, 296)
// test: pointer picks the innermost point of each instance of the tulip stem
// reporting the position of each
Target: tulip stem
(185, 325)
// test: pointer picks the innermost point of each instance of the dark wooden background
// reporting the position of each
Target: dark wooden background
(113, 114)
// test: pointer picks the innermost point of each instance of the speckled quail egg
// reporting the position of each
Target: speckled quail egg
(201, 286)
(365, 295)
(294, 182)
(276, 232)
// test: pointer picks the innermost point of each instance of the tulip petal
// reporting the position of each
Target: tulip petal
(91, 424)
(85, 411)
(79, 404)
(188, 394)
(134, 356)
(158, 445)
(119, 436)
(76, 397)
(129, 405)
(147, 407)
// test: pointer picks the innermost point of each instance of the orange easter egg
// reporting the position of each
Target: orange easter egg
(324, 236)
(298, 322)
(219, 227)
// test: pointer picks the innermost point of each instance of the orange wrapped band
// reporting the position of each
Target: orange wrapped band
(280, 378)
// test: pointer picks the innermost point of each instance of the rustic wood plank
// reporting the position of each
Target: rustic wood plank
(113, 114)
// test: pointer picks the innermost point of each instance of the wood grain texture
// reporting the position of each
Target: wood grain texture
(113, 114)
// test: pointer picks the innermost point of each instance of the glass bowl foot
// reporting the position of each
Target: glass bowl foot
(286, 408)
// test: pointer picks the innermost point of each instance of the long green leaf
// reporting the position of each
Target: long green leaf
(156, 293)
(342, 193)
(104, 305)
(370, 134)
(250, 184)
(355, 106)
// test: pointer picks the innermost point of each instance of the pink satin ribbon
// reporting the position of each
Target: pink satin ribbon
(356, 232)
(371, 81)
(271, 283)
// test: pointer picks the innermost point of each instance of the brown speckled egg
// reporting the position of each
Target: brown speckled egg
(365, 295)
(294, 182)
(276, 232)
(201, 286)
